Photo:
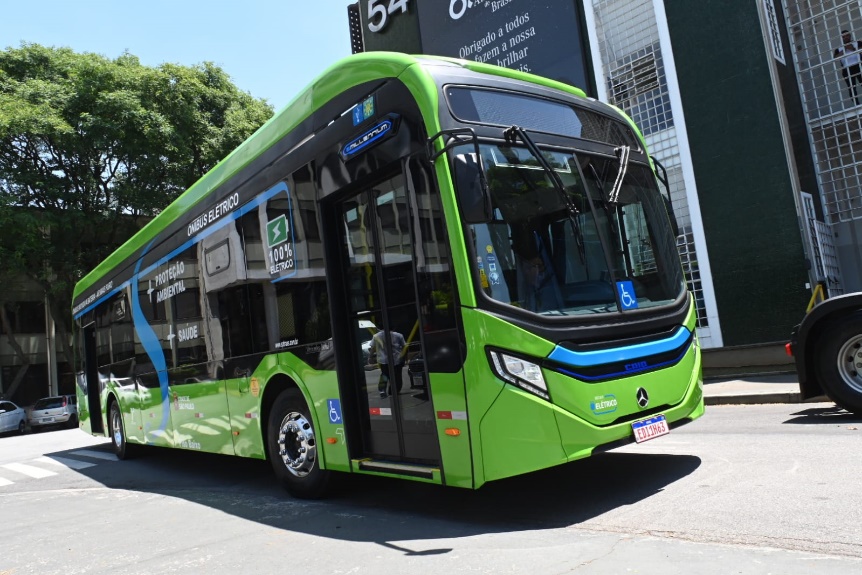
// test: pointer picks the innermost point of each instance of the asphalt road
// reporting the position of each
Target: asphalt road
(746, 489)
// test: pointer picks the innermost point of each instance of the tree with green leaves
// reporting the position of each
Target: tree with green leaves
(92, 147)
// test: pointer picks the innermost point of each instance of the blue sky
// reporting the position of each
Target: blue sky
(270, 48)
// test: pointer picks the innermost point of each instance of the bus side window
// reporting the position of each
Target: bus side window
(103, 336)
(257, 289)
(233, 315)
(297, 307)
(189, 312)
(122, 329)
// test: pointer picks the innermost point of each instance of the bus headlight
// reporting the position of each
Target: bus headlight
(520, 372)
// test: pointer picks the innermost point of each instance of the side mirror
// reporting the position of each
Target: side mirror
(472, 190)
(669, 208)
(661, 175)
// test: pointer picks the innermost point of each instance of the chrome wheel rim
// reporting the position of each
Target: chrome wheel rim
(116, 427)
(850, 363)
(297, 445)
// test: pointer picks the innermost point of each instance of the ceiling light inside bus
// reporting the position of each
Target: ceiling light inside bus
(520, 372)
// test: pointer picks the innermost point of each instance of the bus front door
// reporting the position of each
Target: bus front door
(396, 418)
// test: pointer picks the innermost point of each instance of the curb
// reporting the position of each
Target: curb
(715, 375)
(753, 398)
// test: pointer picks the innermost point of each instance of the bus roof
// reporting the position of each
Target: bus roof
(348, 72)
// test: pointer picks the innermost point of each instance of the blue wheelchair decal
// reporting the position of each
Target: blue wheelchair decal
(627, 295)
(334, 410)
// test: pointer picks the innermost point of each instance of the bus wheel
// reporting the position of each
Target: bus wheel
(118, 434)
(292, 447)
(839, 362)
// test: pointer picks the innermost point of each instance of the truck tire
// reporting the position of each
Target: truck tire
(838, 361)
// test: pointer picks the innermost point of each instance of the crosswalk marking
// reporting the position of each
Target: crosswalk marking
(95, 454)
(65, 462)
(29, 470)
(56, 461)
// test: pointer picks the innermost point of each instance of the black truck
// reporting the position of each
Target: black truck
(827, 348)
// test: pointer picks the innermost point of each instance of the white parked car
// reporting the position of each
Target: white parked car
(12, 417)
(57, 410)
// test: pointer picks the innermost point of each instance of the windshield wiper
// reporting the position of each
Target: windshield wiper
(622, 154)
(602, 234)
(515, 132)
(611, 205)
(613, 196)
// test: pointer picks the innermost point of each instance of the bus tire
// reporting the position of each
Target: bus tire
(292, 444)
(839, 361)
(117, 432)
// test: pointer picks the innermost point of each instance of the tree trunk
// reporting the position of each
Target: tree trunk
(62, 331)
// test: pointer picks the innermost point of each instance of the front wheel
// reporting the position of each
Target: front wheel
(292, 445)
(839, 362)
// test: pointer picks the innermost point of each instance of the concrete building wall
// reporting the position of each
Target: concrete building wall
(742, 167)
(30, 368)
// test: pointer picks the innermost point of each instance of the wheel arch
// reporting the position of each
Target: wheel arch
(277, 383)
(810, 330)
(110, 396)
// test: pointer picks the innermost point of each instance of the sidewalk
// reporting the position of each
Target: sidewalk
(752, 389)
(750, 374)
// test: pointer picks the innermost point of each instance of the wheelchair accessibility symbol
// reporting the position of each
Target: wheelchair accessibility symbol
(627, 295)
(334, 410)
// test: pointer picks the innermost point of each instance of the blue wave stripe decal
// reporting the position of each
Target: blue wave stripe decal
(228, 219)
(619, 354)
(627, 372)
(152, 345)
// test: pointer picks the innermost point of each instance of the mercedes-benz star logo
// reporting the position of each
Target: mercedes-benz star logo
(642, 397)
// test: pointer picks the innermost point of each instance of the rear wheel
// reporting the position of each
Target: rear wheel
(22, 427)
(292, 444)
(118, 433)
(839, 362)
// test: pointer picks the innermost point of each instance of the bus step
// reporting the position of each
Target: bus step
(398, 468)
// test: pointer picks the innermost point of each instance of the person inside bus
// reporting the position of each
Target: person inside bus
(538, 289)
(850, 56)
(389, 372)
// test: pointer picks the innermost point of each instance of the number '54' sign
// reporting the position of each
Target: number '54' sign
(378, 16)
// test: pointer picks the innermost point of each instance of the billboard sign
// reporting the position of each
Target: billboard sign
(545, 37)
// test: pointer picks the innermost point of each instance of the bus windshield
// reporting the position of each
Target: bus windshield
(601, 244)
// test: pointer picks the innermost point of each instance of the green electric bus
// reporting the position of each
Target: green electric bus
(422, 267)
